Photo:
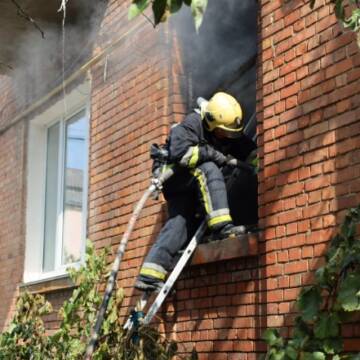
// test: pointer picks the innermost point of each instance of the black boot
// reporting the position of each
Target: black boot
(148, 283)
(228, 231)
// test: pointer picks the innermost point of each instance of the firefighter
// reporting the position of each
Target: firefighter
(203, 143)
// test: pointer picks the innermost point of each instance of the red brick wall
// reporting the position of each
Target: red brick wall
(131, 108)
(308, 106)
(309, 110)
(12, 202)
(214, 307)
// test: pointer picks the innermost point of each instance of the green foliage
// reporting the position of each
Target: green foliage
(159, 8)
(162, 9)
(309, 303)
(198, 8)
(26, 337)
(324, 305)
(349, 293)
(137, 7)
(351, 22)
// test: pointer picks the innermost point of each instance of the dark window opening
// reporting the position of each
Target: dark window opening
(222, 57)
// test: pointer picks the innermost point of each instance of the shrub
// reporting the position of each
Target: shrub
(27, 338)
(334, 298)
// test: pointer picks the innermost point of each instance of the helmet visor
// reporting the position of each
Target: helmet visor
(223, 132)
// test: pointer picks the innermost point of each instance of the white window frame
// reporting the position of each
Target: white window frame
(76, 101)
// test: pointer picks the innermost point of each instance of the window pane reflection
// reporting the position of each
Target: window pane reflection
(75, 167)
(51, 197)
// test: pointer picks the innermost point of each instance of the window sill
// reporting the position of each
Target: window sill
(241, 246)
(58, 283)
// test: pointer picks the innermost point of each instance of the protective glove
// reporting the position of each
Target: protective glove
(231, 161)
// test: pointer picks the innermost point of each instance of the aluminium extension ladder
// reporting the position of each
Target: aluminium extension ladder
(137, 315)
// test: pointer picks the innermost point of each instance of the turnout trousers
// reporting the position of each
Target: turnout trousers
(184, 192)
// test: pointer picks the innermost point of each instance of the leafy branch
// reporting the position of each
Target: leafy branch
(351, 22)
(162, 9)
(326, 304)
(26, 337)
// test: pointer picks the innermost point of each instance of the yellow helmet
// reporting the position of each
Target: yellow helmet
(222, 111)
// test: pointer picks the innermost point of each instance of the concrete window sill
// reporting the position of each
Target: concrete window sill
(241, 246)
(47, 286)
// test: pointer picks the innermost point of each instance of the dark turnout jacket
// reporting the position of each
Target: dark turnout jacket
(190, 144)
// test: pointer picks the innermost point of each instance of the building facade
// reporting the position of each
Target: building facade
(74, 161)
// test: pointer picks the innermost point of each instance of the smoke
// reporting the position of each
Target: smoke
(38, 62)
(222, 56)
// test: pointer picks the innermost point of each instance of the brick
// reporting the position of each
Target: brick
(290, 139)
(280, 231)
(324, 24)
(291, 294)
(316, 223)
(284, 308)
(337, 43)
(289, 204)
(291, 241)
(328, 193)
(316, 169)
(294, 254)
(283, 34)
(314, 196)
(279, 107)
(291, 114)
(316, 156)
(303, 226)
(314, 55)
(338, 68)
(343, 106)
(270, 76)
(301, 200)
(290, 90)
(283, 256)
(307, 252)
(244, 346)
(318, 236)
(296, 280)
(204, 346)
(275, 321)
(279, 83)
(302, 72)
(291, 229)
(291, 102)
(291, 66)
(317, 183)
(343, 119)
(289, 216)
(271, 99)
(316, 210)
(274, 270)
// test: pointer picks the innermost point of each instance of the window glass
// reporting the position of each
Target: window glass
(74, 177)
(51, 194)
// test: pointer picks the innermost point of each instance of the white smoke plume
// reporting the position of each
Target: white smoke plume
(38, 62)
